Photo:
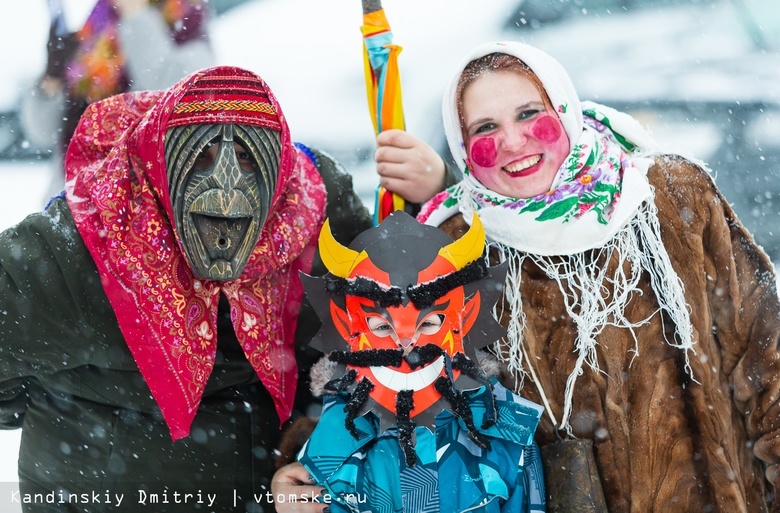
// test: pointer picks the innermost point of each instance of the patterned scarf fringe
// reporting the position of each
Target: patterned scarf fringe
(584, 283)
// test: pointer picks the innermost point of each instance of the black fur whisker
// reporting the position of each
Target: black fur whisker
(368, 357)
(421, 356)
(426, 294)
(342, 383)
(355, 402)
(460, 408)
(467, 366)
(404, 404)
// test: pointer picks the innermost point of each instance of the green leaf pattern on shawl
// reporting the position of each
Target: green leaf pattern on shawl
(588, 181)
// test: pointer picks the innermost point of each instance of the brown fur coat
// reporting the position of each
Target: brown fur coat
(665, 443)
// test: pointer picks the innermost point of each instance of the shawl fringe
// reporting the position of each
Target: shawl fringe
(585, 283)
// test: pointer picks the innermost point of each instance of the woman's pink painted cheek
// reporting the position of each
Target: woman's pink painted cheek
(483, 152)
(547, 129)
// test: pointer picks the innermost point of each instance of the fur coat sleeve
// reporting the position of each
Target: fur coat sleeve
(732, 289)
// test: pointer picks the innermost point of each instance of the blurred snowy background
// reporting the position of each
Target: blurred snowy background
(702, 75)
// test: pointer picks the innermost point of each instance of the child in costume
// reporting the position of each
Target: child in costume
(411, 422)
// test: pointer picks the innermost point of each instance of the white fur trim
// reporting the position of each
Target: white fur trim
(320, 373)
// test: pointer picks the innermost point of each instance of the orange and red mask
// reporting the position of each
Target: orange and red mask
(404, 309)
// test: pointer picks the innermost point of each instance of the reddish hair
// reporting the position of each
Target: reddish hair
(494, 63)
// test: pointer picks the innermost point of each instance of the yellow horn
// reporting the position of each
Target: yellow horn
(338, 259)
(468, 248)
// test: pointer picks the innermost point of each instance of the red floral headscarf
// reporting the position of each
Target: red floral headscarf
(117, 188)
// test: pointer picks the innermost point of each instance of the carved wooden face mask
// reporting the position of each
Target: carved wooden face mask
(404, 309)
(221, 180)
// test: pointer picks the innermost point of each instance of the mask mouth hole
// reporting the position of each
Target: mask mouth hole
(221, 236)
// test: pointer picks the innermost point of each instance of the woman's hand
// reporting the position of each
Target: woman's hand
(408, 167)
(294, 481)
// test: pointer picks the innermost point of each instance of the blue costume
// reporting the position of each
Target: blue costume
(452, 473)
(411, 421)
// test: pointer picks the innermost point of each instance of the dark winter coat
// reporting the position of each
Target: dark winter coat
(89, 422)
(665, 443)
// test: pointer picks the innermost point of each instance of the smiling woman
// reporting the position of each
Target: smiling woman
(634, 296)
(516, 143)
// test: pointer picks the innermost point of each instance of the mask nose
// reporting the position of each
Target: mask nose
(227, 168)
(407, 344)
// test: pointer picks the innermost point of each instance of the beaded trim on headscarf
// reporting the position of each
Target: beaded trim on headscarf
(247, 103)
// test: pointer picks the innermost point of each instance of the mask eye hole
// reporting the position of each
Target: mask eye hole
(207, 156)
(244, 158)
(430, 325)
(380, 327)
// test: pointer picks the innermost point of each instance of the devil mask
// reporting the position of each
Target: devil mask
(221, 179)
(404, 309)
